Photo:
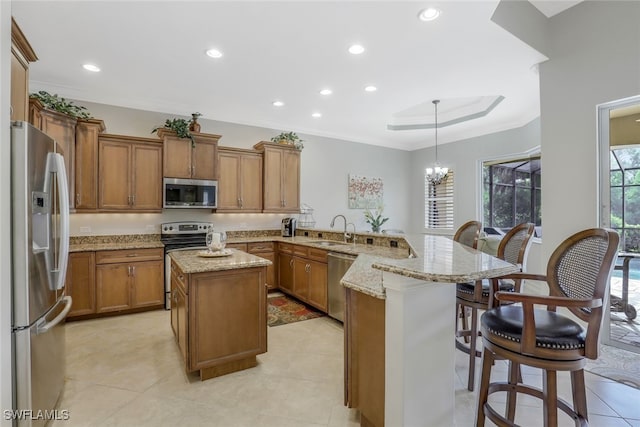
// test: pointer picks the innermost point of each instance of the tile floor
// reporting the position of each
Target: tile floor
(127, 371)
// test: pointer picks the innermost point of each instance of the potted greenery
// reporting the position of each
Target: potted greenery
(61, 105)
(179, 126)
(375, 219)
(289, 138)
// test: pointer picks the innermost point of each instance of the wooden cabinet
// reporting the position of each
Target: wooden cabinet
(80, 283)
(239, 180)
(129, 279)
(86, 170)
(239, 246)
(364, 356)
(184, 158)
(62, 128)
(222, 324)
(130, 174)
(281, 177)
(303, 274)
(21, 55)
(266, 250)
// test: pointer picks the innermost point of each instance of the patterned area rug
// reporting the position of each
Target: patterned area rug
(283, 309)
(617, 364)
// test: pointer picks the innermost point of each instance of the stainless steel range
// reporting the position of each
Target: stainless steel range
(178, 236)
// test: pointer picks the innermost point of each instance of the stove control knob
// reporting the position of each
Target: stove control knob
(165, 229)
(171, 228)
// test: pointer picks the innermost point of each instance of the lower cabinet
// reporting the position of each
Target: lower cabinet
(80, 283)
(303, 274)
(266, 250)
(114, 281)
(219, 319)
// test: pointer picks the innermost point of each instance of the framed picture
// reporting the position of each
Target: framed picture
(365, 192)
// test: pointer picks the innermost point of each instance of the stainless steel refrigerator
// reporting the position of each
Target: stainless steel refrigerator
(40, 250)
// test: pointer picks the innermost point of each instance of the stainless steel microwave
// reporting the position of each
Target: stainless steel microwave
(189, 193)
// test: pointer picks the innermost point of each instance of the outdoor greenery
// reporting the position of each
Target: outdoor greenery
(625, 196)
(61, 105)
(512, 194)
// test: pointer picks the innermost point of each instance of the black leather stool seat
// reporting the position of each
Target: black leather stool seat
(468, 288)
(552, 330)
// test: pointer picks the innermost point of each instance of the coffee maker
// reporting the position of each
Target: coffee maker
(288, 227)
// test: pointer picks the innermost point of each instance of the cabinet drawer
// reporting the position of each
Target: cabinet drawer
(286, 248)
(301, 251)
(178, 277)
(318, 254)
(258, 247)
(129, 255)
(238, 246)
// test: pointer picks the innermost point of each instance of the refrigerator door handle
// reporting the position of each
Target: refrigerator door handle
(46, 326)
(63, 192)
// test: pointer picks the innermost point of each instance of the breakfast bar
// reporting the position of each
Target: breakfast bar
(399, 352)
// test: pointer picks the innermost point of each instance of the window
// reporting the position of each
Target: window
(511, 194)
(625, 196)
(438, 204)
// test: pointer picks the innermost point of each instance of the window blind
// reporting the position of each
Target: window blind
(438, 204)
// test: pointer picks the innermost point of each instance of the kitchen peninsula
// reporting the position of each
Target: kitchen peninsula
(399, 352)
(219, 310)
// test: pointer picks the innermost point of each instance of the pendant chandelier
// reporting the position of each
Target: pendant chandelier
(436, 174)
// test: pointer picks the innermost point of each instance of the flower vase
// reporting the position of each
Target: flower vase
(375, 229)
(194, 126)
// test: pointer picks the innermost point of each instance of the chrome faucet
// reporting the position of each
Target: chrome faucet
(354, 231)
(333, 222)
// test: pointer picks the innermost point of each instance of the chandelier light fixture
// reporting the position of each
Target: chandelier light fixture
(436, 174)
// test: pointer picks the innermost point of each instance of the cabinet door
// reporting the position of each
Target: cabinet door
(87, 133)
(271, 269)
(114, 171)
(285, 272)
(182, 317)
(318, 285)
(273, 165)
(81, 283)
(147, 283)
(204, 160)
(228, 183)
(113, 287)
(19, 86)
(177, 157)
(147, 177)
(301, 278)
(62, 129)
(291, 181)
(251, 182)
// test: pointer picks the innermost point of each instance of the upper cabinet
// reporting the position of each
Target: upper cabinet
(86, 173)
(62, 128)
(21, 55)
(239, 180)
(184, 158)
(130, 174)
(281, 172)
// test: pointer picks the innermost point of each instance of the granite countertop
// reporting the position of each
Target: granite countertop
(189, 261)
(114, 242)
(438, 259)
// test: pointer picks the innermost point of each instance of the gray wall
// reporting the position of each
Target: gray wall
(325, 166)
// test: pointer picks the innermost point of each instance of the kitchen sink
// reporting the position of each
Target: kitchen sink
(328, 243)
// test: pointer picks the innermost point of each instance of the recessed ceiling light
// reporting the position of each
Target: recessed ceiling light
(429, 14)
(371, 88)
(316, 115)
(326, 92)
(91, 67)
(214, 53)
(356, 49)
(278, 103)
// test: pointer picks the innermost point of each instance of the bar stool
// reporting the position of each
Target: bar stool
(478, 295)
(578, 276)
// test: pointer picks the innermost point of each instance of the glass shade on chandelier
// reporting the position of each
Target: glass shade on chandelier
(436, 174)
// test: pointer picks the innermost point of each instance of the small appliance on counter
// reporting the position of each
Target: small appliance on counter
(288, 227)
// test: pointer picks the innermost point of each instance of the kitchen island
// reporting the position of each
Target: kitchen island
(219, 310)
(399, 329)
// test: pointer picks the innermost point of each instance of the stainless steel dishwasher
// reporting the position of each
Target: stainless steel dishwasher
(338, 264)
